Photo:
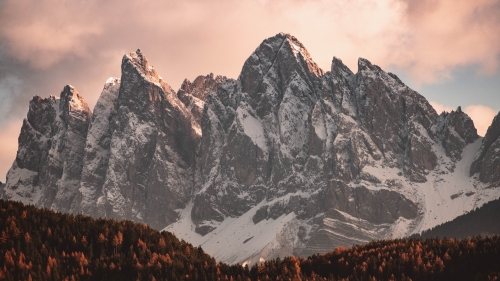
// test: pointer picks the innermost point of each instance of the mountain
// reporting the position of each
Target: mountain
(48, 163)
(286, 159)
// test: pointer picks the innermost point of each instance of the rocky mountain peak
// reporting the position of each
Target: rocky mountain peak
(455, 130)
(364, 64)
(291, 160)
(48, 163)
(141, 64)
(298, 49)
(42, 112)
(73, 105)
(339, 69)
(200, 87)
(193, 95)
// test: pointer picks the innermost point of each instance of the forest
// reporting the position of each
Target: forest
(39, 244)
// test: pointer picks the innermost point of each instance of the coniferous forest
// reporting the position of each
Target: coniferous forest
(39, 244)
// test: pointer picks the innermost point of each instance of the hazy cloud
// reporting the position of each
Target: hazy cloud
(426, 38)
(440, 107)
(482, 116)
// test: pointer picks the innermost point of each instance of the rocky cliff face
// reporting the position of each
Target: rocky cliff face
(455, 130)
(133, 158)
(49, 162)
(487, 161)
(338, 157)
(193, 95)
(140, 156)
(287, 159)
(97, 151)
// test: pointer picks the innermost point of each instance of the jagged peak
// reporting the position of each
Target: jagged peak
(492, 135)
(200, 87)
(288, 43)
(339, 67)
(299, 49)
(72, 100)
(364, 64)
(139, 61)
(458, 112)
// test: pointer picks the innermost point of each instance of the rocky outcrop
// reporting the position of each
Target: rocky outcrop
(455, 130)
(49, 160)
(487, 161)
(193, 95)
(285, 126)
(151, 149)
(294, 139)
(97, 151)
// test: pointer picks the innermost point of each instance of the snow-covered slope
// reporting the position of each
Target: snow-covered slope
(287, 159)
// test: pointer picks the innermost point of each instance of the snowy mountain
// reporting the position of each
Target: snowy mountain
(287, 159)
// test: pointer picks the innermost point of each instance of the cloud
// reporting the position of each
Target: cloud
(482, 116)
(445, 34)
(425, 38)
(42, 33)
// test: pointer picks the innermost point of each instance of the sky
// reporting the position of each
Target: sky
(447, 50)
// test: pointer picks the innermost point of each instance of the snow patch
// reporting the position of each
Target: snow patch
(230, 242)
(252, 127)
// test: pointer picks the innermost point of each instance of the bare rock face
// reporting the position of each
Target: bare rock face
(151, 161)
(49, 160)
(285, 126)
(133, 158)
(294, 139)
(193, 95)
(456, 130)
(97, 151)
(487, 161)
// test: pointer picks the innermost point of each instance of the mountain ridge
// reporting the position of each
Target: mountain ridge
(319, 159)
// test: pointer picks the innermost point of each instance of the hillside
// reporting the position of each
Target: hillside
(482, 221)
(39, 244)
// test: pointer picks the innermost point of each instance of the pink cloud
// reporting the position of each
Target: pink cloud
(449, 33)
(441, 107)
(482, 116)
(425, 38)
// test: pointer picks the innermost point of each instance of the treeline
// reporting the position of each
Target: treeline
(39, 244)
(484, 220)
